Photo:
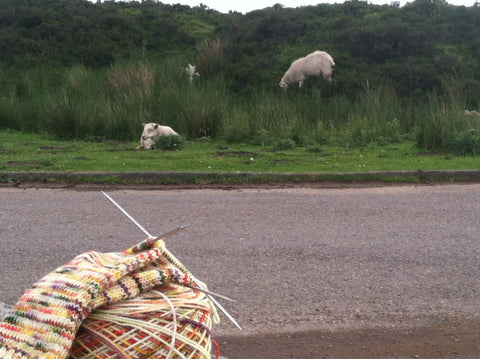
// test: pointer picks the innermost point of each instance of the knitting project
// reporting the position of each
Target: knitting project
(44, 322)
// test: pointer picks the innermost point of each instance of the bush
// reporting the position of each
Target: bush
(170, 143)
(261, 138)
(315, 149)
(361, 131)
(466, 143)
(286, 144)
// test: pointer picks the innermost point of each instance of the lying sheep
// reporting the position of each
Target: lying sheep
(151, 131)
(315, 64)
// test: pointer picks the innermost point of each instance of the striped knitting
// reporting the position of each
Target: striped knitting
(44, 322)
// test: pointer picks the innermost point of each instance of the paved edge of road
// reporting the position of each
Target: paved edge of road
(72, 179)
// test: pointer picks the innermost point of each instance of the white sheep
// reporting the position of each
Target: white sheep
(191, 71)
(315, 64)
(151, 131)
(472, 113)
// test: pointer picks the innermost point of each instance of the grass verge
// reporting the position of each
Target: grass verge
(35, 158)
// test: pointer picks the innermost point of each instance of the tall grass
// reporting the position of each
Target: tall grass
(443, 125)
(80, 103)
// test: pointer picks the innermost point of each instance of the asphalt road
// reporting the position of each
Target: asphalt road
(295, 259)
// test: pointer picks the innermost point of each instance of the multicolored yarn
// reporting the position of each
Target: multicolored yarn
(150, 241)
(172, 323)
(44, 322)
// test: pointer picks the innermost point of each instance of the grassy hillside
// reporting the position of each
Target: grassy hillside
(82, 70)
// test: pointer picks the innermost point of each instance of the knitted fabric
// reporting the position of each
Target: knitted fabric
(44, 322)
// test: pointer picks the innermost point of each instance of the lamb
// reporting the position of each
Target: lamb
(151, 131)
(191, 71)
(315, 64)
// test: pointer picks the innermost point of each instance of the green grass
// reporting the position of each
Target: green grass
(32, 152)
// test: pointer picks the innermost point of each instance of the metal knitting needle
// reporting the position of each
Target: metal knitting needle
(224, 311)
(128, 215)
(209, 294)
(148, 243)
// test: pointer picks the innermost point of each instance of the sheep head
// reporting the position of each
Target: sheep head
(283, 85)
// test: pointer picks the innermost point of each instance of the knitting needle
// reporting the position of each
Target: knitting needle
(148, 243)
(200, 289)
(150, 240)
(228, 315)
(128, 215)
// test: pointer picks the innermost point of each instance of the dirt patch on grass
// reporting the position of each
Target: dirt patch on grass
(30, 164)
(236, 153)
(53, 150)
(280, 161)
(121, 149)
(7, 152)
(445, 155)
(427, 153)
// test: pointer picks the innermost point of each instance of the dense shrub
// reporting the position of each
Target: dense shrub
(285, 144)
(170, 143)
(465, 143)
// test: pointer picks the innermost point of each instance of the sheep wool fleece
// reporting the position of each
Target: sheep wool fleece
(43, 324)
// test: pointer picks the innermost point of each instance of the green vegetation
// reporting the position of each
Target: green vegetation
(28, 152)
(82, 71)
(170, 143)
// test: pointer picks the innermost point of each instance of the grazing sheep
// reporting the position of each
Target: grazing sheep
(315, 64)
(191, 71)
(151, 131)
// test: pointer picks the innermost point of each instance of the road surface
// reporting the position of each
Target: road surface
(337, 273)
